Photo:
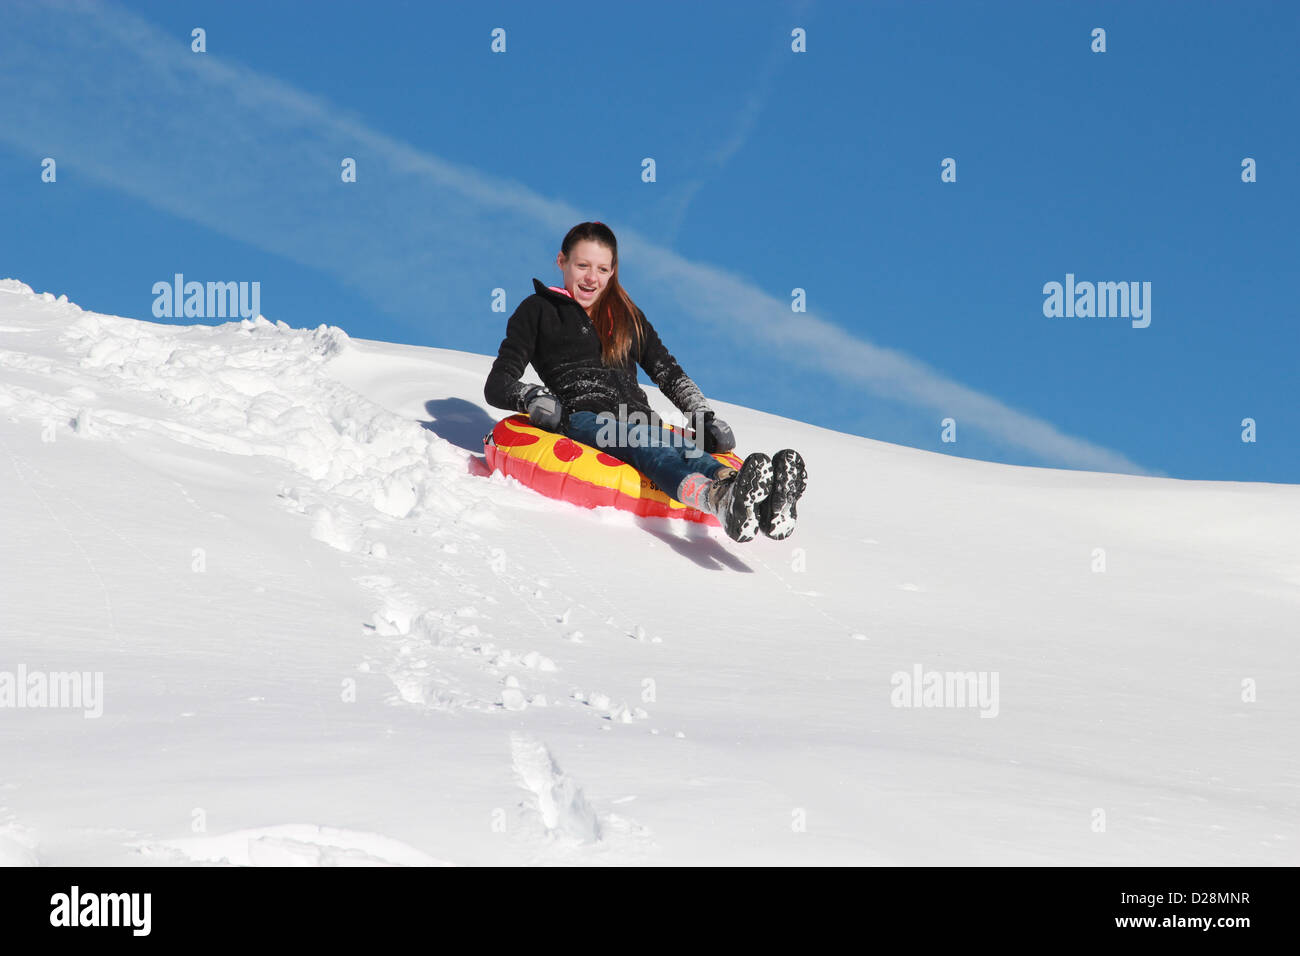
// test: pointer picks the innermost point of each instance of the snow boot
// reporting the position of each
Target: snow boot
(778, 511)
(734, 499)
(694, 489)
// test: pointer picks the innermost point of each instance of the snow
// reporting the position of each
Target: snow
(323, 641)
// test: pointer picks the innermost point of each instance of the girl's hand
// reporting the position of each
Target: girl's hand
(717, 434)
(544, 409)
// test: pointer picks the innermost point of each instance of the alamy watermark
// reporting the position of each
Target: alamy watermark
(634, 428)
(77, 908)
(921, 688)
(1103, 300)
(212, 300)
(68, 690)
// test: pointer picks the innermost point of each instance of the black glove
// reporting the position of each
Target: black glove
(544, 409)
(717, 434)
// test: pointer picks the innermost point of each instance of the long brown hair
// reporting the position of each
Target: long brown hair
(615, 315)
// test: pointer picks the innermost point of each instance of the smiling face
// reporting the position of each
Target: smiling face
(586, 271)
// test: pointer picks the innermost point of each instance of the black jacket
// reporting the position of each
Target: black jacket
(554, 332)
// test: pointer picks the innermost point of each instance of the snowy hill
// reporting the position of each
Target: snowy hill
(303, 632)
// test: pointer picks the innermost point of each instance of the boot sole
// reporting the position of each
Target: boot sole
(789, 479)
(753, 485)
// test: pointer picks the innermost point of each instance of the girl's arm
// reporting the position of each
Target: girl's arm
(668, 375)
(503, 388)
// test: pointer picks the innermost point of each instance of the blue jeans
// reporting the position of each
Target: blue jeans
(662, 456)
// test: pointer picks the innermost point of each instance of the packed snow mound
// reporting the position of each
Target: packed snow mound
(240, 388)
(302, 605)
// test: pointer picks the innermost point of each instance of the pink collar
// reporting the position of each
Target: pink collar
(560, 289)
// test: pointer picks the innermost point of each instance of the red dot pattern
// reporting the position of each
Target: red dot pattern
(567, 450)
(508, 437)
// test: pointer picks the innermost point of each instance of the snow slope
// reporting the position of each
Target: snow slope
(322, 641)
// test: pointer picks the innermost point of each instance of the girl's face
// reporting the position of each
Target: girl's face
(586, 271)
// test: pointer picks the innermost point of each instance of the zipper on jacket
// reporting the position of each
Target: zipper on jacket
(574, 302)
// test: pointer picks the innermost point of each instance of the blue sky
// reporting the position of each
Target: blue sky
(775, 170)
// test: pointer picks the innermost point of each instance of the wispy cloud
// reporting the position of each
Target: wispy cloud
(742, 126)
(239, 152)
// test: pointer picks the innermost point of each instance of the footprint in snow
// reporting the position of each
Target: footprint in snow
(604, 706)
(512, 698)
(560, 803)
(638, 633)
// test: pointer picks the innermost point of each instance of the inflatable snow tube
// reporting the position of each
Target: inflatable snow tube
(559, 467)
